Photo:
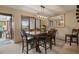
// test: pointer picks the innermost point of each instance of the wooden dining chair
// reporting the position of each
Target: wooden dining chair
(27, 40)
(75, 33)
(43, 41)
(53, 35)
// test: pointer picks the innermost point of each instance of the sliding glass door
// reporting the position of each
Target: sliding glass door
(6, 28)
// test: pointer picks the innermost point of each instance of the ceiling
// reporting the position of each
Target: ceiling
(49, 10)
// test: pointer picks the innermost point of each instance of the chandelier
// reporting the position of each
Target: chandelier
(40, 15)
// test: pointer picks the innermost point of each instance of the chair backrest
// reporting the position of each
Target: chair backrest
(23, 34)
(43, 35)
(74, 31)
(52, 33)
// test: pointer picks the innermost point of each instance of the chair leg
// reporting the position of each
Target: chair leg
(22, 47)
(54, 41)
(50, 44)
(27, 47)
(70, 40)
(77, 41)
(45, 47)
(65, 39)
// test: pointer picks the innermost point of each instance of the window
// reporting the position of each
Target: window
(25, 23)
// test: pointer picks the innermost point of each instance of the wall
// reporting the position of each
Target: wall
(17, 20)
(70, 23)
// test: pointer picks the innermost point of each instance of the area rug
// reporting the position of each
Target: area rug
(4, 42)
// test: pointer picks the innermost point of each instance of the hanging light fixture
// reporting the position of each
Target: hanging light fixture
(40, 16)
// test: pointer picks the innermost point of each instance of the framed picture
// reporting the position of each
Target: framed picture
(60, 22)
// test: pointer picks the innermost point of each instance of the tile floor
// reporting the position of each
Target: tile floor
(60, 48)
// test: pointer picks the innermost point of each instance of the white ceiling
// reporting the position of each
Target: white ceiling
(50, 10)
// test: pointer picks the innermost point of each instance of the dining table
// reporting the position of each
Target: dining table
(36, 35)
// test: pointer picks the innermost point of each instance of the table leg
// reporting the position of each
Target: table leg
(65, 39)
(50, 44)
(70, 40)
(37, 45)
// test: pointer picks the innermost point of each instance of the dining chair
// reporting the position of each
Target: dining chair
(43, 41)
(75, 33)
(27, 40)
(53, 35)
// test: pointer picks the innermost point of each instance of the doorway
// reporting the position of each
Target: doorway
(6, 29)
(6, 26)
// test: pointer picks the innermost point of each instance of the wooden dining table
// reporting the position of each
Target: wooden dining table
(36, 35)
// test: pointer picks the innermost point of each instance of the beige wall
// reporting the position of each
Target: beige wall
(70, 23)
(17, 20)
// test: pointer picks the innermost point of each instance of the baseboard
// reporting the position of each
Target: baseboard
(60, 39)
(18, 42)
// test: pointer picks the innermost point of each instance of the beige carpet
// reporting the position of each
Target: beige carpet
(60, 48)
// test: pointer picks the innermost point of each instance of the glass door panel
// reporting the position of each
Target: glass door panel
(32, 24)
(38, 25)
(25, 23)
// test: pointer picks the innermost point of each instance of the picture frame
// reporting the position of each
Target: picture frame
(60, 22)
